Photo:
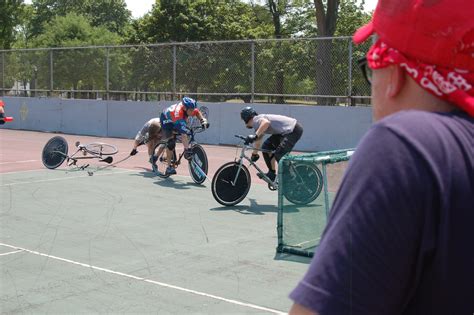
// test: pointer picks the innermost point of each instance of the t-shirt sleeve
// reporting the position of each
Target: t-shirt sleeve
(141, 135)
(366, 262)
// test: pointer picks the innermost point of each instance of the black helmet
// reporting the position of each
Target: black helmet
(247, 113)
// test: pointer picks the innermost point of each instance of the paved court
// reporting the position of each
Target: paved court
(124, 241)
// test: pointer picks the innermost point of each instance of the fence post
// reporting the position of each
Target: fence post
(3, 73)
(174, 71)
(350, 74)
(252, 74)
(107, 74)
(51, 82)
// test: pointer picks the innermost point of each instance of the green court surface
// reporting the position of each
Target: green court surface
(124, 241)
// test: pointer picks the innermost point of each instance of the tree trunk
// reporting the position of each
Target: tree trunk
(326, 22)
(279, 63)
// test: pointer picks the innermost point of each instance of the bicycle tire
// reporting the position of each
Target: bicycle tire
(161, 162)
(54, 152)
(99, 148)
(306, 186)
(223, 191)
(199, 160)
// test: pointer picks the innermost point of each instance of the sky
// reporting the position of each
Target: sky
(141, 7)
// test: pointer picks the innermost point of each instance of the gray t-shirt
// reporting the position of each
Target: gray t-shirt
(142, 135)
(279, 125)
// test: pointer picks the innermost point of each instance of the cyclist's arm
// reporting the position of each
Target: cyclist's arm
(141, 137)
(257, 145)
(199, 115)
(265, 123)
(137, 143)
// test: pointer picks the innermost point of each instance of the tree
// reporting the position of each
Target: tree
(10, 17)
(277, 9)
(111, 14)
(204, 67)
(81, 68)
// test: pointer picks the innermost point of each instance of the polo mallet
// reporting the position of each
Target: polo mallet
(6, 119)
(108, 160)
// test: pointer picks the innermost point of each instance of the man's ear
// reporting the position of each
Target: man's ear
(397, 81)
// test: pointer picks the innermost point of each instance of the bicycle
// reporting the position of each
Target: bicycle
(231, 182)
(55, 152)
(197, 164)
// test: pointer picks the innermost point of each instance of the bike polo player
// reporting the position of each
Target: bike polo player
(3, 118)
(150, 134)
(285, 132)
(174, 121)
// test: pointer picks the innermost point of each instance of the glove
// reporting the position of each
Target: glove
(134, 151)
(251, 138)
(188, 154)
(254, 157)
(205, 124)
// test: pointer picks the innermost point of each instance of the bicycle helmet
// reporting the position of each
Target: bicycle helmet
(247, 113)
(189, 103)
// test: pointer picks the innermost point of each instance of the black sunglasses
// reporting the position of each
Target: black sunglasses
(366, 71)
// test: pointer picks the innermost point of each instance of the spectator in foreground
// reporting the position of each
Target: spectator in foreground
(399, 237)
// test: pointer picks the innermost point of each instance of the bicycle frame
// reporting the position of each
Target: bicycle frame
(82, 148)
(243, 157)
(178, 139)
(177, 162)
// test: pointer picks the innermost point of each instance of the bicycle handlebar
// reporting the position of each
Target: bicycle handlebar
(197, 129)
(246, 143)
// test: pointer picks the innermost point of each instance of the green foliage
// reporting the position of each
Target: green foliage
(74, 30)
(111, 14)
(351, 17)
(289, 67)
(76, 68)
(202, 20)
(11, 12)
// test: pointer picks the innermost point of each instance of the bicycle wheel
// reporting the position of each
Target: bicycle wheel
(162, 162)
(99, 148)
(224, 191)
(54, 152)
(304, 183)
(198, 164)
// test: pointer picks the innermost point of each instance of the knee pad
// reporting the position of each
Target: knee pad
(171, 144)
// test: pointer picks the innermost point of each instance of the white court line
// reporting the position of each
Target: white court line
(149, 281)
(62, 178)
(25, 171)
(15, 162)
(302, 243)
(15, 251)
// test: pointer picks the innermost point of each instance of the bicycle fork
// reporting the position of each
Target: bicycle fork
(198, 169)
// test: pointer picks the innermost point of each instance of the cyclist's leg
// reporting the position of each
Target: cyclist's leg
(170, 146)
(167, 133)
(288, 142)
(185, 140)
(154, 140)
(270, 144)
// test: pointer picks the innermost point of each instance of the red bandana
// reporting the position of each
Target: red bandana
(453, 85)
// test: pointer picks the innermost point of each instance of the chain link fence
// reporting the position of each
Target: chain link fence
(319, 71)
